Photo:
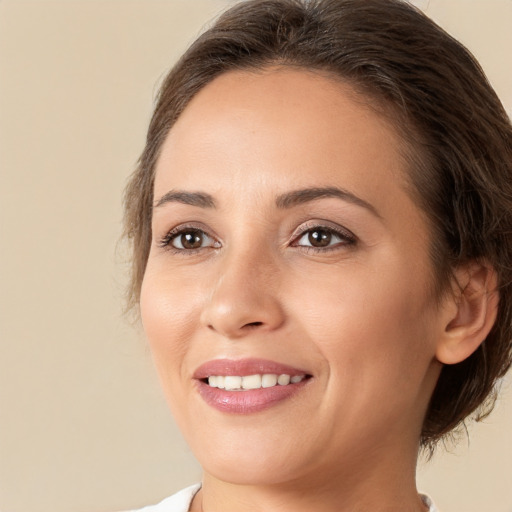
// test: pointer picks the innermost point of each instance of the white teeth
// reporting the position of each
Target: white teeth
(268, 380)
(251, 382)
(237, 383)
(232, 382)
(283, 380)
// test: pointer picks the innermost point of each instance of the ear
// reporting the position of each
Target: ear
(470, 312)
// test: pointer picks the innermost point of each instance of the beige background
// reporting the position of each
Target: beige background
(83, 426)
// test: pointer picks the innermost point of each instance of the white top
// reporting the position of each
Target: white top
(180, 502)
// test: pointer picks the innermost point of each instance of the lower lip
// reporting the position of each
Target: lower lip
(249, 401)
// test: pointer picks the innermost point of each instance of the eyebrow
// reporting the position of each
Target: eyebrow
(199, 199)
(298, 197)
(283, 201)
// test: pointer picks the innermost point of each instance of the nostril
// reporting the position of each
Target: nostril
(253, 324)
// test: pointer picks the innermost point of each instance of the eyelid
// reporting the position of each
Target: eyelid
(165, 242)
(340, 231)
(323, 224)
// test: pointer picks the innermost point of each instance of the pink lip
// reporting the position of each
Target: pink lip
(243, 367)
(250, 401)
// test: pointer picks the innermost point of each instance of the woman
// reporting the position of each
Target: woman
(321, 224)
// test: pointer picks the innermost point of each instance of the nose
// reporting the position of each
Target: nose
(243, 297)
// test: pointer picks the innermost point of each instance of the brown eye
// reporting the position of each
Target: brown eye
(324, 238)
(319, 238)
(191, 239)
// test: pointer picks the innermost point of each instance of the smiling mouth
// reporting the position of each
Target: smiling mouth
(249, 382)
(248, 385)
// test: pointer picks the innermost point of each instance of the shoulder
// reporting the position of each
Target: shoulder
(179, 502)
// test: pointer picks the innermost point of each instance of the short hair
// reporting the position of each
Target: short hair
(458, 135)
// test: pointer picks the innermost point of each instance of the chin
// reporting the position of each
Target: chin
(238, 457)
(256, 471)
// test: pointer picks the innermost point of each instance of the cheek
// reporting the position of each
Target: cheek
(168, 319)
(374, 319)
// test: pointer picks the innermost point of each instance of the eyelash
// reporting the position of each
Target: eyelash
(166, 241)
(346, 239)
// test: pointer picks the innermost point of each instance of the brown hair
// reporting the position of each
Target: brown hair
(458, 134)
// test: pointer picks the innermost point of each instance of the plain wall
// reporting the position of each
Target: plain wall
(83, 425)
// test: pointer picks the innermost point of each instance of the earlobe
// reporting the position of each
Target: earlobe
(473, 311)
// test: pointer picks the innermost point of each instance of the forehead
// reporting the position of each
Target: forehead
(278, 128)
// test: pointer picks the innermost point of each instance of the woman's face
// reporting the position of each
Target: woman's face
(285, 244)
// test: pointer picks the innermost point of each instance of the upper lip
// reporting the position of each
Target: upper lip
(244, 367)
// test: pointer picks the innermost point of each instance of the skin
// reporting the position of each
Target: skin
(359, 317)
